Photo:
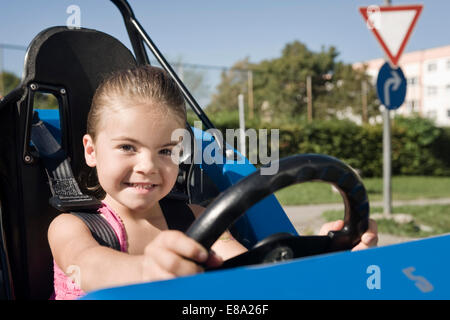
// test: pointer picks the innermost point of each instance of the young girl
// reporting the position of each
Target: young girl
(128, 142)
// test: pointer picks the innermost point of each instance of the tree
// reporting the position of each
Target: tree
(281, 84)
(282, 81)
(10, 81)
(193, 79)
(41, 100)
(233, 82)
(343, 91)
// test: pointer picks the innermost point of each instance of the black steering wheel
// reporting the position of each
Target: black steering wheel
(233, 202)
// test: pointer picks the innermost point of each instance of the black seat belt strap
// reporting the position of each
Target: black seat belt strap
(177, 213)
(101, 230)
(67, 195)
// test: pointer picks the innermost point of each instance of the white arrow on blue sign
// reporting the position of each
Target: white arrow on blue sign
(391, 86)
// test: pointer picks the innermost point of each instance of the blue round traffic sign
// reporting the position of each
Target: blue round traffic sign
(391, 86)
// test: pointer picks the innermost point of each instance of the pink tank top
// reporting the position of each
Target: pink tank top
(66, 287)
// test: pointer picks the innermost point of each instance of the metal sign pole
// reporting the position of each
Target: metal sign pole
(309, 95)
(387, 199)
(391, 81)
(387, 170)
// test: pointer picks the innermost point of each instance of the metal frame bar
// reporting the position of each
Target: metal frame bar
(138, 37)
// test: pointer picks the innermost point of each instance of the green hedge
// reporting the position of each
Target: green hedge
(418, 147)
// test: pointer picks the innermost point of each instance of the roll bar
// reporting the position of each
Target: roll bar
(138, 37)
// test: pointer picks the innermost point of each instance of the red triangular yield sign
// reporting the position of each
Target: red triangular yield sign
(392, 26)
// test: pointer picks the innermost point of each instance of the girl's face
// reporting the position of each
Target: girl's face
(132, 154)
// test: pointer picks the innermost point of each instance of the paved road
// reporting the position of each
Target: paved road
(308, 219)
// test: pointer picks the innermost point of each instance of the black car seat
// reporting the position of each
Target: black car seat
(68, 63)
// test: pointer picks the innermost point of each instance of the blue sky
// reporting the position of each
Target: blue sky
(221, 32)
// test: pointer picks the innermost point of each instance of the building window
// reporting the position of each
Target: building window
(431, 90)
(412, 81)
(448, 113)
(432, 66)
(447, 88)
(448, 64)
(412, 105)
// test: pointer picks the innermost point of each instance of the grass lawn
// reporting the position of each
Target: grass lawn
(403, 188)
(435, 217)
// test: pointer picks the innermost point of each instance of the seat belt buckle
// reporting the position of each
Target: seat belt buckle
(70, 204)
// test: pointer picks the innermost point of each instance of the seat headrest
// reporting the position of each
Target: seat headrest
(77, 60)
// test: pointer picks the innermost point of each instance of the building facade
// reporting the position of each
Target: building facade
(428, 83)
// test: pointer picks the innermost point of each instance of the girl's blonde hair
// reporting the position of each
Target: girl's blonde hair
(147, 85)
(139, 85)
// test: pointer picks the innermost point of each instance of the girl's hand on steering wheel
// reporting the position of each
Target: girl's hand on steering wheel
(368, 239)
(173, 254)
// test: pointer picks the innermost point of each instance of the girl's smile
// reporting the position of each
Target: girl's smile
(141, 188)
